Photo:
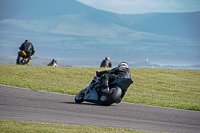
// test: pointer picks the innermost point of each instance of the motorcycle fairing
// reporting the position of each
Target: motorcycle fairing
(91, 96)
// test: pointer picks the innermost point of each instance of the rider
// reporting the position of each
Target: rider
(53, 63)
(28, 47)
(106, 62)
(122, 71)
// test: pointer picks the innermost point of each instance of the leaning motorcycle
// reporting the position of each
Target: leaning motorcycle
(22, 58)
(93, 93)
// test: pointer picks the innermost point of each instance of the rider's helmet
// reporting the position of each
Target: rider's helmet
(107, 58)
(54, 60)
(123, 65)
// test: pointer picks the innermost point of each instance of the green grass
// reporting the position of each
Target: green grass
(159, 87)
(31, 127)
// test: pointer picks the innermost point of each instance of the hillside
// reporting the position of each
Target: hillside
(169, 24)
(70, 30)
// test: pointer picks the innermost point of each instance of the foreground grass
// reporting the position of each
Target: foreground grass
(24, 127)
(159, 87)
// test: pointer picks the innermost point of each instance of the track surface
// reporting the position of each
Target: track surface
(38, 106)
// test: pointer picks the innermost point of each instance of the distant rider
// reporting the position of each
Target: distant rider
(106, 62)
(53, 63)
(107, 76)
(28, 47)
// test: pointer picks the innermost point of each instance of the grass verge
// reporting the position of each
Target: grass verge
(31, 127)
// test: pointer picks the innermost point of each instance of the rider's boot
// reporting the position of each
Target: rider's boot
(104, 83)
(105, 89)
(29, 59)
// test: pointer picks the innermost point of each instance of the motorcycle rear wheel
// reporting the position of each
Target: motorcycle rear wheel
(19, 60)
(112, 97)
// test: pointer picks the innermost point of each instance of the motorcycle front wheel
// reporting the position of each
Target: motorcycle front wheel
(79, 97)
(112, 97)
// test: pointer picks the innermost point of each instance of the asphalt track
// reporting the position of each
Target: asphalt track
(37, 106)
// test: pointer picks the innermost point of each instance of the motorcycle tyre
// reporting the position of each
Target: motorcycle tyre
(113, 98)
(77, 99)
(19, 60)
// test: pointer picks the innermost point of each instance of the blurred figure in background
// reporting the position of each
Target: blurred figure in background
(106, 62)
(53, 63)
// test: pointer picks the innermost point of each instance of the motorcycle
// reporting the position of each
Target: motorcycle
(53, 63)
(93, 92)
(22, 58)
